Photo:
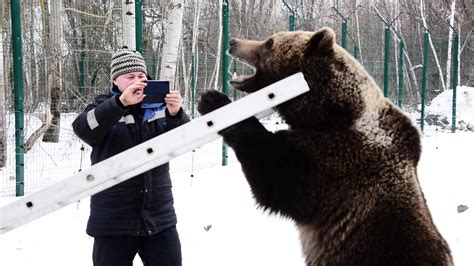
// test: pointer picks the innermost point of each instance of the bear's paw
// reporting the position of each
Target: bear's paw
(211, 100)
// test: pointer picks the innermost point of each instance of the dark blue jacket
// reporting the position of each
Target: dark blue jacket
(142, 205)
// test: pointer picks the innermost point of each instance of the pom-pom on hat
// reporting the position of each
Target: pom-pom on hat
(126, 61)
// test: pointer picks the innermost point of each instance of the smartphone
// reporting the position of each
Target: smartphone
(155, 92)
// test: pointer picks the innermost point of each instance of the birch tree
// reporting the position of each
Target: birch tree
(172, 36)
(195, 37)
(215, 73)
(3, 114)
(450, 48)
(361, 55)
(128, 24)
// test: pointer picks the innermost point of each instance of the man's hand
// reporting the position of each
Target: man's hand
(133, 94)
(173, 102)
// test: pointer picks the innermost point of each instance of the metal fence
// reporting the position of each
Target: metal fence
(65, 64)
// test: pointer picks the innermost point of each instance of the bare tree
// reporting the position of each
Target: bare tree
(55, 70)
(3, 113)
(215, 72)
(435, 54)
(450, 38)
(195, 36)
(46, 119)
(194, 43)
(52, 32)
(128, 24)
(361, 56)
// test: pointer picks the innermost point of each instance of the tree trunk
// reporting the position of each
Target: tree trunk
(215, 73)
(3, 113)
(172, 37)
(30, 142)
(186, 74)
(46, 122)
(33, 91)
(361, 55)
(460, 50)
(128, 24)
(450, 45)
(55, 34)
(194, 49)
(415, 95)
(435, 54)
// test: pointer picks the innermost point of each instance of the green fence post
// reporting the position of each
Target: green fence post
(344, 24)
(423, 79)
(138, 25)
(193, 85)
(18, 92)
(400, 74)
(344, 35)
(386, 65)
(225, 62)
(291, 18)
(82, 74)
(291, 23)
(154, 65)
(355, 48)
(355, 52)
(455, 78)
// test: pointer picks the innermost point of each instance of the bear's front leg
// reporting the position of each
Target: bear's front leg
(212, 100)
(275, 164)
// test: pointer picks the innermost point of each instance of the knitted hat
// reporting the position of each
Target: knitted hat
(126, 61)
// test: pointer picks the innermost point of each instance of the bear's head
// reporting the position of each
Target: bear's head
(339, 86)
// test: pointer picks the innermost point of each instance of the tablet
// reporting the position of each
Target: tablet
(155, 92)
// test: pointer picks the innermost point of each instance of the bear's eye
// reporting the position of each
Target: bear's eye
(269, 44)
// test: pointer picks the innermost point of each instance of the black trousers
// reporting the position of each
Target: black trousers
(162, 249)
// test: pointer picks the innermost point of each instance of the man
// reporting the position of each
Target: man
(135, 216)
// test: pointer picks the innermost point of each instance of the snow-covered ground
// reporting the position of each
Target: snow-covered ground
(220, 224)
(442, 104)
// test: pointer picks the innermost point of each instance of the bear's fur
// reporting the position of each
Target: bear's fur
(346, 169)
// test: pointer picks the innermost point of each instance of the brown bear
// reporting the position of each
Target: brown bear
(346, 169)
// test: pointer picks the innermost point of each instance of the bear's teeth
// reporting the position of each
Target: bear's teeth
(240, 79)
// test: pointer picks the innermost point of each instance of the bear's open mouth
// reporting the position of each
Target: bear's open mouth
(239, 82)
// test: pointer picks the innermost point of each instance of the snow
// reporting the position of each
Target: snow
(217, 198)
(442, 105)
(220, 224)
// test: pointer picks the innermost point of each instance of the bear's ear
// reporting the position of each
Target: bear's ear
(322, 41)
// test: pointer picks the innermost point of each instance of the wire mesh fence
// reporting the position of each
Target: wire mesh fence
(67, 47)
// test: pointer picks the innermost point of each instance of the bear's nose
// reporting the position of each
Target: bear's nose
(232, 42)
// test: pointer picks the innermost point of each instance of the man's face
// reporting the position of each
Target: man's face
(125, 80)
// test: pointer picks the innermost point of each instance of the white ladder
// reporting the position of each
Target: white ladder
(149, 154)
